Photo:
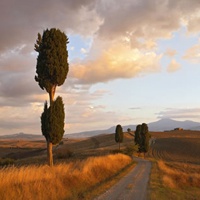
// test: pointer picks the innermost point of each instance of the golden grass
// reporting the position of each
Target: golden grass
(63, 181)
(163, 184)
(175, 177)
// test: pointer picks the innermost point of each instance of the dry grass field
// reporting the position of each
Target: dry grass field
(176, 170)
(26, 151)
(63, 181)
(80, 166)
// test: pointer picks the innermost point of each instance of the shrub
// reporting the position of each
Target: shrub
(63, 153)
(6, 161)
(130, 149)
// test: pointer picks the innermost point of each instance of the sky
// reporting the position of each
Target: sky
(130, 62)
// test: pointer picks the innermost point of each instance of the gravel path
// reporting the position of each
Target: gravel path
(133, 186)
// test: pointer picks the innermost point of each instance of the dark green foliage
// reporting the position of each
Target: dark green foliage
(6, 161)
(119, 134)
(52, 64)
(57, 118)
(130, 149)
(146, 137)
(45, 122)
(142, 137)
(137, 134)
(52, 121)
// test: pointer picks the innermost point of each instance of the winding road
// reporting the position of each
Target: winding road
(133, 186)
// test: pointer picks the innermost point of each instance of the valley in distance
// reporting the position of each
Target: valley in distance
(174, 157)
(165, 124)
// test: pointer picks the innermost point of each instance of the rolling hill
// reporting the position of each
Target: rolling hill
(160, 125)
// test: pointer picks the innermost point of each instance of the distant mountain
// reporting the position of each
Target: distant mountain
(86, 134)
(170, 124)
(22, 136)
(160, 125)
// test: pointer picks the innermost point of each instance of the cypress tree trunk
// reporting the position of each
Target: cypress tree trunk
(49, 153)
(51, 94)
(49, 144)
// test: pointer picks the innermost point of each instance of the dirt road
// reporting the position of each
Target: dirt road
(131, 187)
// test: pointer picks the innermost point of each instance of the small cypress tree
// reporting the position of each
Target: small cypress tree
(142, 137)
(137, 134)
(52, 124)
(56, 120)
(119, 135)
(145, 138)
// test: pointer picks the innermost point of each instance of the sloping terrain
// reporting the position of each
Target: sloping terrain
(81, 148)
(177, 146)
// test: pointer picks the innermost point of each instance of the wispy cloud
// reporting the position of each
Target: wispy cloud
(135, 108)
(193, 54)
(173, 66)
(170, 52)
(180, 113)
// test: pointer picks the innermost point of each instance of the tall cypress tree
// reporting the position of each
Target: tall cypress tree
(52, 69)
(119, 135)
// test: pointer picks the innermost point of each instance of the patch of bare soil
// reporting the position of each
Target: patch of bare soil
(177, 146)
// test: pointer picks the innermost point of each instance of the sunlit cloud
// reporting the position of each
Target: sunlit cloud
(118, 61)
(193, 54)
(123, 43)
(170, 52)
(173, 66)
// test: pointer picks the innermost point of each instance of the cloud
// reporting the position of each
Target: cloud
(20, 22)
(170, 52)
(180, 113)
(124, 38)
(138, 18)
(173, 66)
(193, 54)
(135, 108)
(118, 61)
(15, 120)
(193, 21)
(84, 112)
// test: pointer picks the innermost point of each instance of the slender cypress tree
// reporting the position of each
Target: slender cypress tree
(52, 124)
(52, 62)
(142, 137)
(119, 135)
(52, 69)
(145, 138)
(137, 134)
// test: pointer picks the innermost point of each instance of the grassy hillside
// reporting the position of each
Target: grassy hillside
(175, 172)
(81, 165)
(63, 181)
(176, 169)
